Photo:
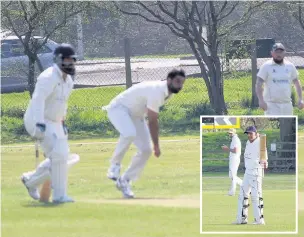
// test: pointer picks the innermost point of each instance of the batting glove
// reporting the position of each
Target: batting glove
(65, 128)
(39, 131)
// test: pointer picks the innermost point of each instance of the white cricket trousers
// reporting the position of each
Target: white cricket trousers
(251, 184)
(279, 109)
(132, 130)
(234, 163)
(55, 146)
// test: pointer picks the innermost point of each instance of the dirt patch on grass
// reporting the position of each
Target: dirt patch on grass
(300, 200)
(163, 202)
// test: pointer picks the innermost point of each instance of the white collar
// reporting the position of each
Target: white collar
(165, 87)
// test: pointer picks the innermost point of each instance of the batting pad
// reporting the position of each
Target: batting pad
(59, 157)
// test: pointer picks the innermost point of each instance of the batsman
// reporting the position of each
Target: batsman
(255, 158)
(44, 121)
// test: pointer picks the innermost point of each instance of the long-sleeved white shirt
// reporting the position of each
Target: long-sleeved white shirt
(252, 157)
(50, 97)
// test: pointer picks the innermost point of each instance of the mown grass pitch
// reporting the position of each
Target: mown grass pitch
(168, 188)
(219, 210)
(167, 194)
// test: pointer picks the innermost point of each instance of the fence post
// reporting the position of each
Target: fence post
(254, 69)
(127, 49)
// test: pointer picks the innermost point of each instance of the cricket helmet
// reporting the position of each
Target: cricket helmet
(65, 51)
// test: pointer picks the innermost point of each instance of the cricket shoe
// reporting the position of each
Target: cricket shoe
(242, 222)
(124, 186)
(64, 199)
(33, 192)
(231, 193)
(114, 172)
(260, 222)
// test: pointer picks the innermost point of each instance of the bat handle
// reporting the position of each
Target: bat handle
(37, 153)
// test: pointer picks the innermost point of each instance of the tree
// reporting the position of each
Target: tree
(25, 19)
(190, 20)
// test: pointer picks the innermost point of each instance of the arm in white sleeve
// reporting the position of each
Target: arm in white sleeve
(44, 87)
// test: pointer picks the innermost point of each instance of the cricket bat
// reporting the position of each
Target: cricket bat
(45, 191)
(263, 150)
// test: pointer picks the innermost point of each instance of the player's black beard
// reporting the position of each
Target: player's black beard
(280, 61)
(173, 89)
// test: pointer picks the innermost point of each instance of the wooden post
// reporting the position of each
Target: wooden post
(127, 49)
(254, 70)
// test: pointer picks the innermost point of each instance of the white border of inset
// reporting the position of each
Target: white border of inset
(201, 179)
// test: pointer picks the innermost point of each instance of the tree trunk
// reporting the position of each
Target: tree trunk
(288, 134)
(287, 129)
(31, 75)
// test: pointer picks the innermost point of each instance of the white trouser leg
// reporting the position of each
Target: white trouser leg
(37, 177)
(144, 150)
(124, 124)
(233, 168)
(243, 200)
(43, 171)
(256, 197)
(279, 109)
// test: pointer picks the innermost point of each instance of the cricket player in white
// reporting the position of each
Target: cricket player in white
(44, 121)
(127, 114)
(252, 182)
(277, 76)
(234, 150)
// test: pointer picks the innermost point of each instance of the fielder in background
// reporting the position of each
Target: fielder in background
(277, 76)
(252, 182)
(127, 114)
(234, 150)
(44, 121)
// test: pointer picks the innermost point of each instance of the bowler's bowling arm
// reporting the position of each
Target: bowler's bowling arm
(153, 126)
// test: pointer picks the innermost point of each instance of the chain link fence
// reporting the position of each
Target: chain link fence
(98, 81)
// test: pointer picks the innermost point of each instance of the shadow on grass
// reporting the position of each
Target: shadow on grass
(41, 204)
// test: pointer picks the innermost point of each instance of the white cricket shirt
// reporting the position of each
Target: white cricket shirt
(50, 97)
(142, 96)
(252, 157)
(278, 80)
(235, 143)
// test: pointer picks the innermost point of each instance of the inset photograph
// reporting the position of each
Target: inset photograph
(248, 175)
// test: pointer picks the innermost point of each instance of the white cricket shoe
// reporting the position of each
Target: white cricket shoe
(125, 188)
(260, 222)
(231, 193)
(33, 192)
(242, 222)
(63, 200)
(114, 172)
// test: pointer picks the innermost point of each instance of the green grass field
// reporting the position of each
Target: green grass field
(179, 116)
(167, 202)
(219, 210)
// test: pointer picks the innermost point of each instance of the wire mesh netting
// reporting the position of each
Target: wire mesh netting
(99, 81)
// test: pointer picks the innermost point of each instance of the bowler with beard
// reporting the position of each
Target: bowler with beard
(127, 113)
(274, 84)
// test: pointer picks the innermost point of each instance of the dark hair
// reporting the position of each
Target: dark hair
(176, 72)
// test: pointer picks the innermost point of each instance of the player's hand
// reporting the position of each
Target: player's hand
(225, 148)
(301, 104)
(263, 105)
(156, 151)
(264, 164)
(39, 131)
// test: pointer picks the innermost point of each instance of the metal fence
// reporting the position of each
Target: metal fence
(99, 81)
